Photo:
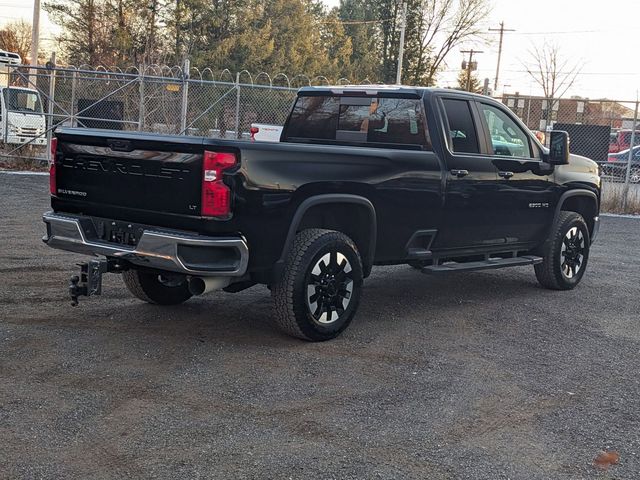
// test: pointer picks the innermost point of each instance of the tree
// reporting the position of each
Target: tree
(552, 72)
(463, 81)
(442, 26)
(80, 38)
(434, 28)
(360, 23)
(109, 32)
(336, 45)
(16, 37)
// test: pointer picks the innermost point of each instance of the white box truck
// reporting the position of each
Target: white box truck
(22, 120)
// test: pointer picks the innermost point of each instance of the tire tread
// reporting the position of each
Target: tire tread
(548, 272)
(283, 291)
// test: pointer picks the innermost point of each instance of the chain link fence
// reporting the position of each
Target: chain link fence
(162, 99)
(603, 130)
(157, 100)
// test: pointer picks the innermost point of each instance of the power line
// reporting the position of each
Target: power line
(357, 22)
(586, 73)
(565, 32)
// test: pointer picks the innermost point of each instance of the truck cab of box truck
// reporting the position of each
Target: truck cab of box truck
(22, 120)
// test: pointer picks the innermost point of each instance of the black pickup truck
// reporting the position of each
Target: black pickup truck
(441, 180)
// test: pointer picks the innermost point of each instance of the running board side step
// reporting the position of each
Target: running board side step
(490, 264)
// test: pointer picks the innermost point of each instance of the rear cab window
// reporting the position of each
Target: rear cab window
(360, 121)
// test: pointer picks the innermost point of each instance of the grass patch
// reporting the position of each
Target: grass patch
(613, 198)
(24, 164)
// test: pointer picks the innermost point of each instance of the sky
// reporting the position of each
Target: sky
(602, 38)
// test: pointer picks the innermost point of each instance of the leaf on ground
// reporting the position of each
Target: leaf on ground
(605, 459)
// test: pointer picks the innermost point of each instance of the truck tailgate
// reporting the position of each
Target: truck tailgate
(124, 169)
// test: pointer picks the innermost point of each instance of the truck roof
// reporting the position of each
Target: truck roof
(403, 90)
(14, 87)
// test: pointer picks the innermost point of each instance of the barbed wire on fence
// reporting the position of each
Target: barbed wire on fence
(177, 72)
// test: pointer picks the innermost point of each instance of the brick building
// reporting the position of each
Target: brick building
(539, 112)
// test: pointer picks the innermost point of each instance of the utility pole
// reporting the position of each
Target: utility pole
(35, 32)
(403, 26)
(501, 30)
(470, 65)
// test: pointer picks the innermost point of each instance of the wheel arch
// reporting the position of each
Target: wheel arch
(582, 201)
(356, 218)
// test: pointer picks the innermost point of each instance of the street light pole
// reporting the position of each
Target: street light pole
(35, 33)
(403, 27)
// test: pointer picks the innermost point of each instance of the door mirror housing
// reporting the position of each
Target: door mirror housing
(559, 148)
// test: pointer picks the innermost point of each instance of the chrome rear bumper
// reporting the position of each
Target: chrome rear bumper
(181, 252)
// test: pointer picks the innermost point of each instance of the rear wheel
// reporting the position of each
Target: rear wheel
(161, 289)
(565, 254)
(318, 295)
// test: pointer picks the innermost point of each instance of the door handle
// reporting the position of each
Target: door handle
(506, 175)
(459, 173)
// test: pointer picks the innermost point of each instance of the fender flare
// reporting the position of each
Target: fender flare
(315, 200)
(578, 192)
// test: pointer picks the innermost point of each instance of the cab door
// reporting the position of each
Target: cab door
(526, 195)
(471, 179)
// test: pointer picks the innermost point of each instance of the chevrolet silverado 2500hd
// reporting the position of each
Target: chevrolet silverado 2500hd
(444, 181)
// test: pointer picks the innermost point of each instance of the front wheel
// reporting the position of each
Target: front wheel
(318, 295)
(565, 254)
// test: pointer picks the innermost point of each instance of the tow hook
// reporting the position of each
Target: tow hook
(89, 282)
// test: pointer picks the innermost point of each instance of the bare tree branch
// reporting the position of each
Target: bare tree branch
(451, 22)
(551, 71)
(16, 37)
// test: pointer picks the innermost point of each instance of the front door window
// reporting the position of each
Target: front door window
(507, 138)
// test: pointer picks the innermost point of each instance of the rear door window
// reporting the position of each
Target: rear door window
(462, 130)
(359, 120)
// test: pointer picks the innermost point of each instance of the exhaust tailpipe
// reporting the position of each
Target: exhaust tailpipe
(202, 285)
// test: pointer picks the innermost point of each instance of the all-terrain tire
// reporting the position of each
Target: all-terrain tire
(318, 294)
(148, 287)
(565, 253)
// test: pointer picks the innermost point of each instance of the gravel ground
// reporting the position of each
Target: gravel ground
(472, 376)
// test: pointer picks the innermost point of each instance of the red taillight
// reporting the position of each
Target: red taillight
(253, 131)
(216, 196)
(52, 167)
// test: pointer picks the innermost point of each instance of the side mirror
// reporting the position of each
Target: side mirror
(559, 148)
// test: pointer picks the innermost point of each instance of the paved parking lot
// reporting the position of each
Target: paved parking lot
(473, 376)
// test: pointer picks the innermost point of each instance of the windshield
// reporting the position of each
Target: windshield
(21, 100)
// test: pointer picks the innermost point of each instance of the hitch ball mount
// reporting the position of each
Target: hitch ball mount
(89, 282)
